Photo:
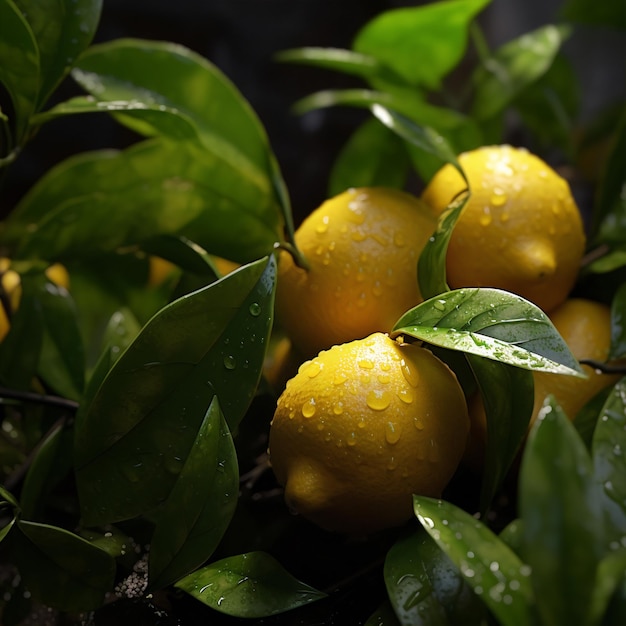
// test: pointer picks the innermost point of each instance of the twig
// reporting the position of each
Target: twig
(38, 398)
(605, 368)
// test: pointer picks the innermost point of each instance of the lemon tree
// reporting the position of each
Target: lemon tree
(281, 428)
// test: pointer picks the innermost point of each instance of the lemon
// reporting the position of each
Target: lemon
(362, 427)
(362, 247)
(521, 229)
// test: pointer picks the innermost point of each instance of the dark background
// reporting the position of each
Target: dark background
(242, 36)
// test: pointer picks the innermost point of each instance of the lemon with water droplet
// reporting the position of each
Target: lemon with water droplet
(362, 247)
(520, 230)
(353, 456)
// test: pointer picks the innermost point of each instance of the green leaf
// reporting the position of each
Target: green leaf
(507, 396)
(110, 539)
(609, 14)
(120, 332)
(610, 576)
(200, 505)
(373, 156)
(513, 67)
(618, 324)
(19, 67)
(494, 324)
(7, 496)
(608, 452)
(492, 569)
(586, 419)
(52, 461)
(421, 44)
(61, 569)
(105, 200)
(384, 615)
(134, 438)
(250, 585)
(425, 587)
(62, 29)
(431, 266)
(560, 506)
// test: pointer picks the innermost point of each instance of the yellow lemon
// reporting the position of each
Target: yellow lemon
(362, 248)
(520, 230)
(362, 427)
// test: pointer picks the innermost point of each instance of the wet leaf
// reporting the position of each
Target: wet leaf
(200, 505)
(561, 509)
(608, 452)
(513, 67)
(102, 201)
(62, 29)
(250, 585)
(610, 576)
(373, 156)
(19, 66)
(490, 567)
(384, 615)
(425, 587)
(61, 569)
(420, 44)
(618, 324)
(135, 436)
(507, 397)
(494, 324)
(431, 267)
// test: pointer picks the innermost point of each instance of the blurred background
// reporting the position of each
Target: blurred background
(241, 37)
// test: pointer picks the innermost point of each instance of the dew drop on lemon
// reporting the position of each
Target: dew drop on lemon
(339, 378)
(378, 400)
(406, 395)
(338, 408)
(366, 364)
(313, 369)
(410, 374)
(308, 408)
(392, 433)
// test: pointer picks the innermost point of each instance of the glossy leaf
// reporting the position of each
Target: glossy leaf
(586, 419)
(384, 615)
(200, 505)
(373, 156)
(62, 29)
(101, 201)
(187, 254)
(493, 570)
(431, 266)
(7, 496)
(507, 397)
(421, 44)
(494, 324)
(608, 452)
(120, 332)
(560, 506)
(6, 529)
(19, 65)
(134, 438)
(513, 67)
(52, 462)
(61, 569)
(250, 585)
(618, 324)
(425, 587)
(110, 539)
(611, 575)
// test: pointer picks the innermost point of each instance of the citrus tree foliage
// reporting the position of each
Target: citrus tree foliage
(135, 410)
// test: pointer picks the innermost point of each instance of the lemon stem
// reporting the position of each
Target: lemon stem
(298, 258)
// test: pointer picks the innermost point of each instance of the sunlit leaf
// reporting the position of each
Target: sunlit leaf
(373, 156)
(19, 65)
(431, 267)
(135, 436)
(494, 324)
(62, 29)
(101, 201)
(513, 67)
(250, 585)
(425, 587)
(490, 567)
(421, 44)
(60, 569)
(608, 452)
(560, 506)
(200, 505)
(507, 398)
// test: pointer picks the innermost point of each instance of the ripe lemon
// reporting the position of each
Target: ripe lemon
(362, 247)
(361, 428)
(520, 230)
(586, 328)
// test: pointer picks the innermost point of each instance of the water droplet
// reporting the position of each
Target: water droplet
(313, 369)
(419, 423)
(385, 366)
(498, 197)
(230, 363)
(410, 374)
(494, 566)
(377, 288)
(384, 379)
(338, 408)
(485, 218)
(378, 400)
(322, 227)
(440, 305)
(308, 408)
(392, 433)
(366, 364)
(406, 395)
(339, 378)
(361, 300)
(392, 464)
(351, 441)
